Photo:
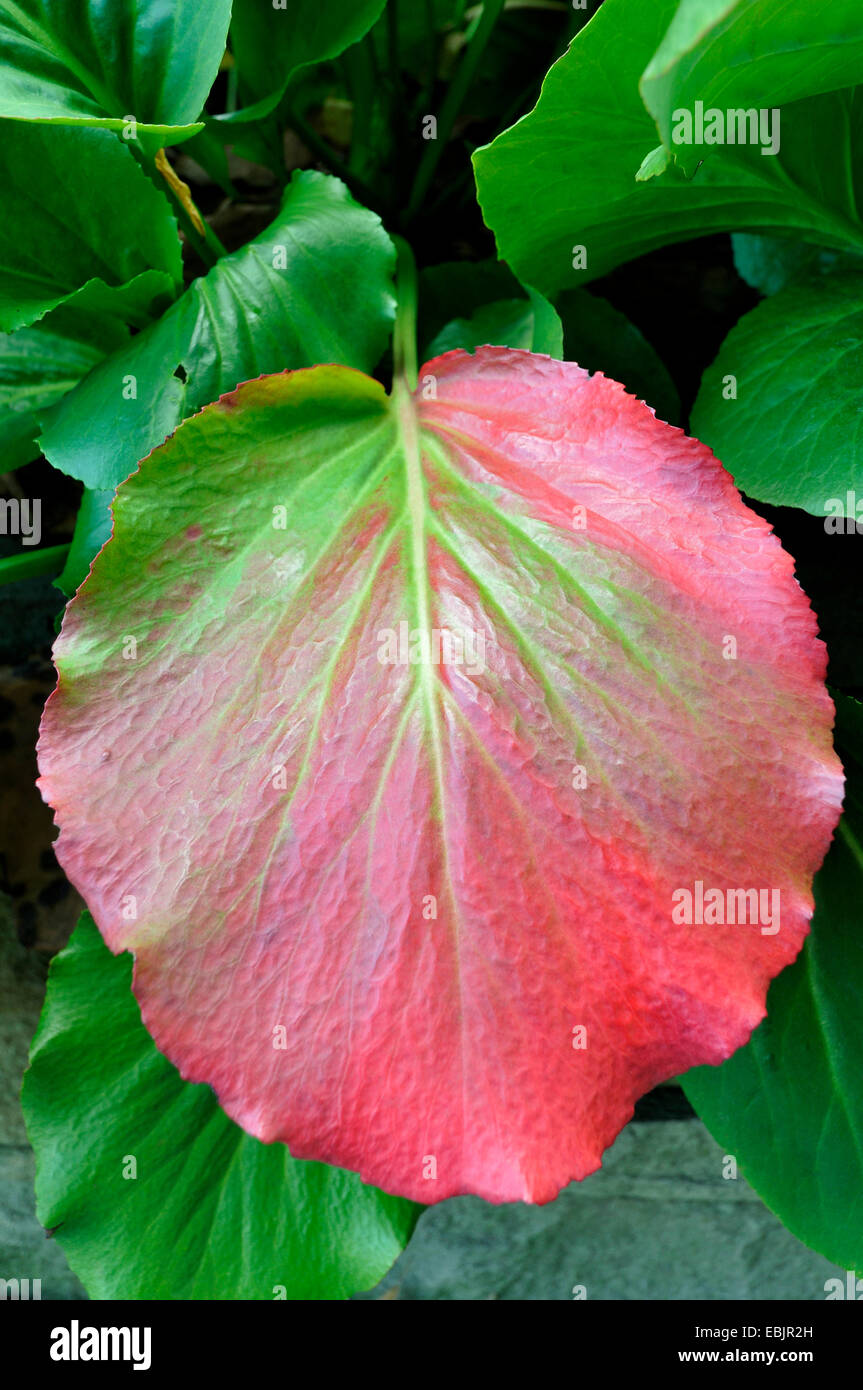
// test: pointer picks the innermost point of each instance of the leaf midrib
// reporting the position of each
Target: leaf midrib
(415, 511)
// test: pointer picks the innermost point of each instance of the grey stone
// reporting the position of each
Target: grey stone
(22, 989)
(25, 1252)
(658, 1221)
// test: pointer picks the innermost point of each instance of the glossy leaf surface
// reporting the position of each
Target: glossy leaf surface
(315, 286)
(100, 62)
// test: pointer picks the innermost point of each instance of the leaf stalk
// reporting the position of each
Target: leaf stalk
(452, 104)
(405, 330)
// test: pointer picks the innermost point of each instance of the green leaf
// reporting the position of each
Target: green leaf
(100, 62)
(456, 289)
(654, 163)
(547, 329)
(32, 564)
(421, 27)
(92, 529)
(270, 43)
(602, 339)
(585, 329)
(791, 435)
(79, 215)
(559, 190)
(38, 365)
(789, 1105)
(137, 303)
(732, 54)
(210, 1213)
(769, 263)
(531, 324)
(314, 287)
(595, 335)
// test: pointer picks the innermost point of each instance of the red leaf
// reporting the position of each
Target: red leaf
(599, 747)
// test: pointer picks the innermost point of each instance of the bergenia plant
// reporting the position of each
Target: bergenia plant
(441, 742)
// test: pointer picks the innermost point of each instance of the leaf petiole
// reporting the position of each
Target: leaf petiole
(30, 564)
(196, 229)
(405, 330)
(452, 104)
